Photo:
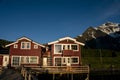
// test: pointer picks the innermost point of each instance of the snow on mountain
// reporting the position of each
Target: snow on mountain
(106, 36)
(110, 28)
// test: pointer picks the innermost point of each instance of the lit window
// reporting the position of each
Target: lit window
(74, 47)
(15, 46)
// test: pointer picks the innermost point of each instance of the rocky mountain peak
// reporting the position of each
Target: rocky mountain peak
(105, 36)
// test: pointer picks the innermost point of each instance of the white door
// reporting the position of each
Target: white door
(5, 60)
(68, 61)
(44, 61)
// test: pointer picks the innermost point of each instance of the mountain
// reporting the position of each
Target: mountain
(106, 36)
(3, 43)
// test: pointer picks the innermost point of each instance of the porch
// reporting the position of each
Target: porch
(28, 71)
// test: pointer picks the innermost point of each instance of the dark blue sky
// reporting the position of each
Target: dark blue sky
(47, 20)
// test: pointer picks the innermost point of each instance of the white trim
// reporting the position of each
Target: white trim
(66, 59)
(68, 38)
(15, 46)
(74, 57)
(12, 61)
(77, 47)
(55, 49)
(35, 46)
(24, 38)
(24, 61)
(38, 44)
(25, 45)
(21, 39)
(70, 47)
(11, 44)
(57, 57)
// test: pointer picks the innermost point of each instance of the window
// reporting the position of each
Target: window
(63, 47)
(28, 45)
(75, 60)
(35, 46)
(33, 59)
(15, 46)
(57, 61)
(22, 60)
(58, 49)
(74, 47)
(25, 45)
(15, 60)
(27, 59)
(68, 47)
(63, 60)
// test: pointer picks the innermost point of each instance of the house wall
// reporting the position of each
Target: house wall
(25, 52)
(1, 60)
(66, 52)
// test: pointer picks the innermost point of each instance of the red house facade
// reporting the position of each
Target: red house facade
(25, 51)
(63, 52)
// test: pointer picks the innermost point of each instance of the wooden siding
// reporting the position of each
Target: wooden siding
(25, 52)
(1, 60)
(67, 53)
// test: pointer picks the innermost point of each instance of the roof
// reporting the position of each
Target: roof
(68, 38)
(26, 39)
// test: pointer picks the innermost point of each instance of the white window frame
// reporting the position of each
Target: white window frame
(74, 57)
(65, 46)
(63, 60)
(24, 61)
(55, 49)
(77, 47)
(15, 46)
(33, 62)
(12, 61)
(35, 46)
(57, 57)
(26, 45)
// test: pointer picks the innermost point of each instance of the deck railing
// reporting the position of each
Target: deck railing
(27, 71)
(61, 69)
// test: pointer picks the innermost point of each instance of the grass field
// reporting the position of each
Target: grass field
(98, 59)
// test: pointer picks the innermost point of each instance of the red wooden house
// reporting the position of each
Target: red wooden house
(63, 52)
(25, 51)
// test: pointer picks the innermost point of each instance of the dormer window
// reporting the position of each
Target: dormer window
(25, 45)
(15, 46)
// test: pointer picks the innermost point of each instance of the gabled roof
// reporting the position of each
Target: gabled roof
(66, 38)
(26, 39)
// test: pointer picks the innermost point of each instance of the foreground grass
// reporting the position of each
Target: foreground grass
(104, 62)
(103, 59)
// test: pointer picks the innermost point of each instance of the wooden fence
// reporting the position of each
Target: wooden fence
(28, 71)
